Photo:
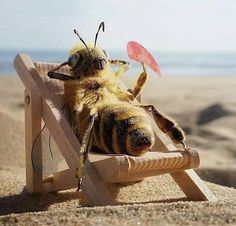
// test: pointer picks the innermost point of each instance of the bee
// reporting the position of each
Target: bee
(104, 115)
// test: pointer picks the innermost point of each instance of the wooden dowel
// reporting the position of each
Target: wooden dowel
(165, 161)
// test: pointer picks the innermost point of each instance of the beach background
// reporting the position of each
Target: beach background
(197, 89)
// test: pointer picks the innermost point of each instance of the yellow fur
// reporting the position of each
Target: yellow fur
(79, 47)
(84, 101)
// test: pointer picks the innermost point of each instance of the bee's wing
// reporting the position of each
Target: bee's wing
(50, 160)
(138, 53)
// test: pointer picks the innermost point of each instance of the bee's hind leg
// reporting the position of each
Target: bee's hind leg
(167, 125)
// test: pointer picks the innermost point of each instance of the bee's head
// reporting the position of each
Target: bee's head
(88, 59)
(83, 61)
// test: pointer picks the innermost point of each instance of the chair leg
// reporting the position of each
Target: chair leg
(32, 130)
(191, 184)
(94, 188)
(194, 188)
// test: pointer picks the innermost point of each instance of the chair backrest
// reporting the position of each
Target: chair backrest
(53, 161)
(56, 87)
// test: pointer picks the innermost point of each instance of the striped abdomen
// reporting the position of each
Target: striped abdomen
(122, 128)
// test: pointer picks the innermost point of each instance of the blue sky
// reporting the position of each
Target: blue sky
(157, 24)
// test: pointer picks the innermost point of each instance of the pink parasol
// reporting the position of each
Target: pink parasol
(138, 53)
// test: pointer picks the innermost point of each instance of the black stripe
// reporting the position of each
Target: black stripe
(140, 137)
(122, 127)
(108, 123)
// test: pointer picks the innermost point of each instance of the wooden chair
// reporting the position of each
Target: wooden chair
(43, 101)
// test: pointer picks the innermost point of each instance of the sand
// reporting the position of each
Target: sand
(203, 106)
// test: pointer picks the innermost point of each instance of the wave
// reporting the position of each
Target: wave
(170, 63)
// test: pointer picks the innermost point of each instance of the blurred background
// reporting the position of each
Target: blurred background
(186, 37)
(194, 43)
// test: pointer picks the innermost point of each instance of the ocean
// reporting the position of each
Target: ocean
(170, 63)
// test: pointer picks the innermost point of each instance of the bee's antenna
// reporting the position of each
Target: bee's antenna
(77, 33)
(102, 25)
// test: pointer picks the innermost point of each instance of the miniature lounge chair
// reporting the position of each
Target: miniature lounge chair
(43, 100)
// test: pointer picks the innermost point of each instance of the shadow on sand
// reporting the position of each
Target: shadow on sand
(23, 202)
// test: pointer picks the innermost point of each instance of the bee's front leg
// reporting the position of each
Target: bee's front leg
(124, 66)
(59, 76)
(140, 82)
(167, 125)
(55, 75)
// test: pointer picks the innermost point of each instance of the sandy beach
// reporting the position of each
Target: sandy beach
(205, 107)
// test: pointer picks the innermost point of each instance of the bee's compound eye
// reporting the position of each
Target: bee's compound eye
(106, 54)
(75, 60)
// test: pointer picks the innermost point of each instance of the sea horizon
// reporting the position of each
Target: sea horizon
(176, 62)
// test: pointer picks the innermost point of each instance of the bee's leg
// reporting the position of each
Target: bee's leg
(75, 124)
(55, 75)
(167, 125)
(122, 93)
(59, 76)
(140, 82)
(84, 149)
(124, 66)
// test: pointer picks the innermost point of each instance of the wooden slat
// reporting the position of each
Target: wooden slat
(32, 131)
(123, 168)
(59, 181)
(60, 131)
(118, 168)
(94, 187)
